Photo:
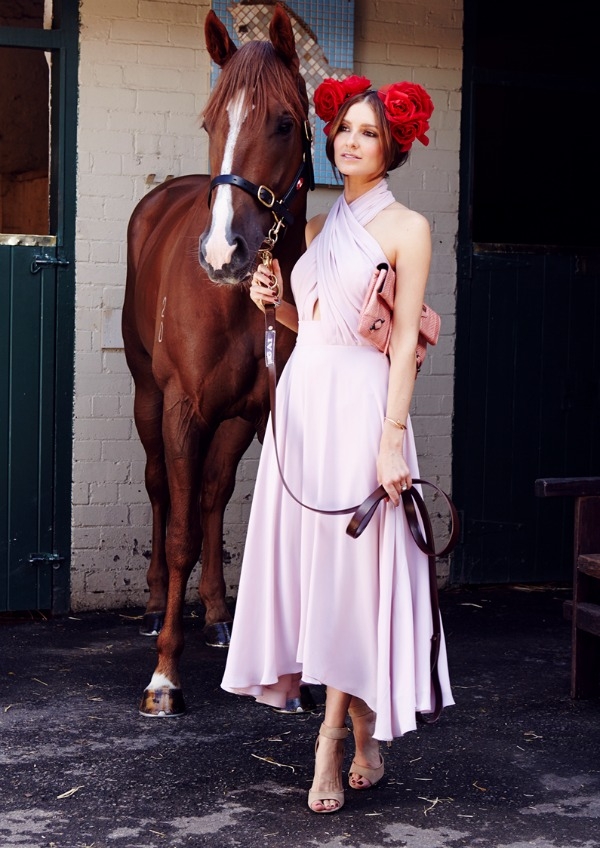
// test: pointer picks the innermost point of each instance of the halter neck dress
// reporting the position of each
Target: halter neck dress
(349, 613)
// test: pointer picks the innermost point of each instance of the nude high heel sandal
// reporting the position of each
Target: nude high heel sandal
(340, 734)
(373, 775)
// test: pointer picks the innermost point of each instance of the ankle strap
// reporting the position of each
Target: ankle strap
(356, 714)
(334, 732)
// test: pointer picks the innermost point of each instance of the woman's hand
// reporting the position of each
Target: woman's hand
(266, 286)
(392, 471)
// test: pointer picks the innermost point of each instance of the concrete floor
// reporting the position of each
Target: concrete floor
(515, 763)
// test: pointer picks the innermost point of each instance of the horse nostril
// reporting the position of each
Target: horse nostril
(240, 252)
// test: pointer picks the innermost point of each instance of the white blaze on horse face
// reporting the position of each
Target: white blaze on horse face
(218, 250)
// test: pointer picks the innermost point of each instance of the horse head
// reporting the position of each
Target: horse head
(259, 147)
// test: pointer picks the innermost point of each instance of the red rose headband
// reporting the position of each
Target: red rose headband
(407, 106)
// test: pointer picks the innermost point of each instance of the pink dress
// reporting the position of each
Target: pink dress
(349, 613)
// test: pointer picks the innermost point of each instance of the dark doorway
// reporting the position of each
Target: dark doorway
(527, 398)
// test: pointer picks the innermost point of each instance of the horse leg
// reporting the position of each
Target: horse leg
(218, 482)
(148, 407)
(182, 440)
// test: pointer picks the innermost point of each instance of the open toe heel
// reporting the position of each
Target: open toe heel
(314, 795)
(373, 775)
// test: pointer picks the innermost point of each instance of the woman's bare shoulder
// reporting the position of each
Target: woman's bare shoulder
(398, 216)
(397, 225)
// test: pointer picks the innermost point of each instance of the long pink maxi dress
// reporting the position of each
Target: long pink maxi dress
(349, 613)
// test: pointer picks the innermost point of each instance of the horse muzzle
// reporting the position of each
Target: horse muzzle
(226, 264)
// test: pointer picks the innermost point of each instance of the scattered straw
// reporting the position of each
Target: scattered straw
(274, 762)
(69, 792)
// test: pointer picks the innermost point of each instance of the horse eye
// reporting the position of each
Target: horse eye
(285, 127)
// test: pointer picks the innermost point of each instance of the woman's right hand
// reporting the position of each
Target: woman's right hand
(266, 286)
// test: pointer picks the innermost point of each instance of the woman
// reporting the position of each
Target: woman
(313, 603)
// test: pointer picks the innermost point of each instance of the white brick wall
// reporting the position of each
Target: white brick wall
(144, 78)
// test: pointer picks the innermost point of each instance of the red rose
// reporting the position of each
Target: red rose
(407, 131)
(408, 108)
(331, 93)
(329, 96)
(416, 95)
(355, 85)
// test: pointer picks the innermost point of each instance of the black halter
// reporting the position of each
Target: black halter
(265, 195)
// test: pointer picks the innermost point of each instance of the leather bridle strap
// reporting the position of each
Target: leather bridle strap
(264, 195)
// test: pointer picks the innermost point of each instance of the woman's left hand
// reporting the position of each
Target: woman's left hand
(392, 471)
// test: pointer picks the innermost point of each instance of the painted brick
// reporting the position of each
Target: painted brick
(85, 538)
(154, 10)
(103, 493)
(167, 57)
(122, 450)
(186, 36)
(140, 515)
(97, 516)
(100, 471)
(108, 9)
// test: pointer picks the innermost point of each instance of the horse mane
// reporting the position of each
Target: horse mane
(257, 68)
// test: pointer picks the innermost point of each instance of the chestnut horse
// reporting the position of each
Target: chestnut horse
(194, 341)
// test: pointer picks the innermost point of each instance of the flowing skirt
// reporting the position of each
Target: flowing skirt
(353, 614)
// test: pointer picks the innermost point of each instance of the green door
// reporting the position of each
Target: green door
(38, 67)
(527, 400)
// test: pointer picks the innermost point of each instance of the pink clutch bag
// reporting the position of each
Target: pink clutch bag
(375, 321)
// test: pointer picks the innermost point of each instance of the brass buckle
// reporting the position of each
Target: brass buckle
(267, 190)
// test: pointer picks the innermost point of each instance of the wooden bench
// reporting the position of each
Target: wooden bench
(584, 609)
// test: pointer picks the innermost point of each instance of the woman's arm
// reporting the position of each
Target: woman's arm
(412, 247)
(262, 290)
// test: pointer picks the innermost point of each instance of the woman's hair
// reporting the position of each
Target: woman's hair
(393, 157)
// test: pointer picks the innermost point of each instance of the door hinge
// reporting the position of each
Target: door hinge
(45, 260)
(480, 528)
(55, 560)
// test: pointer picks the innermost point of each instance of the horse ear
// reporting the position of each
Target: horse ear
(282, 38)
(220, 47)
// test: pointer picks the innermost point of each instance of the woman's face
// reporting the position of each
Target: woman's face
(357, 146)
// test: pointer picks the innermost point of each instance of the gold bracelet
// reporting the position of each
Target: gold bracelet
(397, 424)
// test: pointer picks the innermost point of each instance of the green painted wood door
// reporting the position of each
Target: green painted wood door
(38, 63)
(527, 397)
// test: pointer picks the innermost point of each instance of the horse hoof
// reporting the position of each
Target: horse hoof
(152, 623)
(298, 706)
(162, 703)
(218, 635)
